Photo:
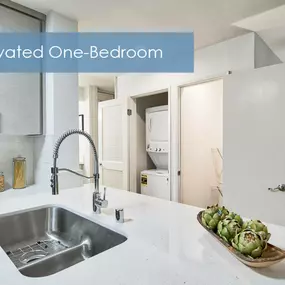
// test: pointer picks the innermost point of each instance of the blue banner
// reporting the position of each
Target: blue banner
(97, 52)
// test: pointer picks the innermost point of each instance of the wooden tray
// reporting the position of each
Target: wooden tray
(269, 257)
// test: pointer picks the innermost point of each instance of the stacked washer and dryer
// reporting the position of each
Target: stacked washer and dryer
(155, 182)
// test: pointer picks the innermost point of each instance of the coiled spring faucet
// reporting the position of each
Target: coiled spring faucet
(98, 202)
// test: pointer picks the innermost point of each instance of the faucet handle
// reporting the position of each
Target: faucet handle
(104, 201)
(99, 201)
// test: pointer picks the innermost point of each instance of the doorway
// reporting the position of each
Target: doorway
(201, 149)
(147, 163)
(89, 98)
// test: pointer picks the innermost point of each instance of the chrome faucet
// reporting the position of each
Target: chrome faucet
(98, 202)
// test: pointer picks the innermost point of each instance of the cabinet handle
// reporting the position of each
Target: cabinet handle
(82, 121)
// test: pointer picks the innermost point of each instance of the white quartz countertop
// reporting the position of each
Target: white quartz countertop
(166, 244)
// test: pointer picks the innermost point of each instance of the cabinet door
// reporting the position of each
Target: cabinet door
(20, 93)
(20, 104)
(254, 148)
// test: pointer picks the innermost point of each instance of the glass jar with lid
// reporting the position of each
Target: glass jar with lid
(19, 172)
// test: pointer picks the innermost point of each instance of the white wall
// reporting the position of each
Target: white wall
(240, 53)
(234, 54)
(61, 114)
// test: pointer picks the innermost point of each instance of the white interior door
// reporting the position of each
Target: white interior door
(254, 148)
(99, 97)
(201, 143)
(114, 143)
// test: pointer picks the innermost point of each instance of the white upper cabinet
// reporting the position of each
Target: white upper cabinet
(20, 93)
(20, 104)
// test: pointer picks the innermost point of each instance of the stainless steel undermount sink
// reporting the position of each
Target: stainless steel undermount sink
(45, 240)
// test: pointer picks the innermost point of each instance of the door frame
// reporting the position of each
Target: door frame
(133, 135)
(178, 93)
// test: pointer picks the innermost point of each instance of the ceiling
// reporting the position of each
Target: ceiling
(210, 20)
(102, 80)
(270, 26)
(275, 39)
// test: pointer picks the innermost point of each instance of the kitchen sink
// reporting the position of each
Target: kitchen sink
(45, 240)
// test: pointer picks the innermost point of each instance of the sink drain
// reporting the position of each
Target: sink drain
(32, 256)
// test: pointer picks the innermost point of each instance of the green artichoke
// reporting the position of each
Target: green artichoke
(236, 217)
(212, 215)
(228, 229)
(258, 227)
(249, 243)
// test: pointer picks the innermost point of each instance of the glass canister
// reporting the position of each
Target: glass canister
(19, 172)
(2, 181)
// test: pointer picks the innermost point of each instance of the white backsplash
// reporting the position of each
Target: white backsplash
(12, 146)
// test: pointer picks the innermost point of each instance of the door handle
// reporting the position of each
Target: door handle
(82, 121)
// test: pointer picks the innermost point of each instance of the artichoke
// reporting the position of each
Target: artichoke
(236, 217)
(212, 215)
(228, 229)
(249, 243)
(258, 227)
